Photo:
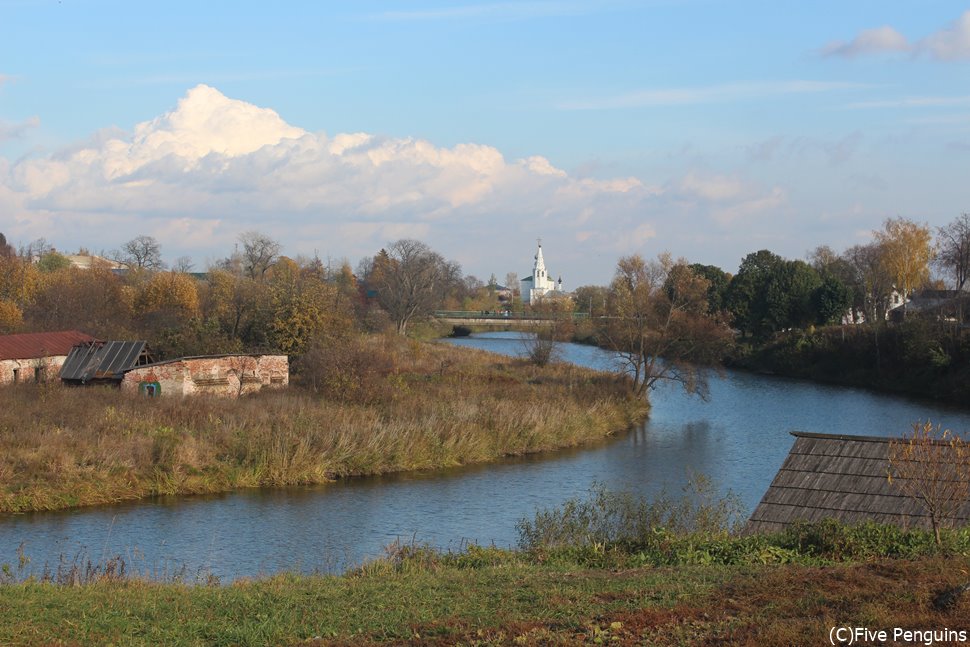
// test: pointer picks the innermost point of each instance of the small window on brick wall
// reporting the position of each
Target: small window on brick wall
(16, 375)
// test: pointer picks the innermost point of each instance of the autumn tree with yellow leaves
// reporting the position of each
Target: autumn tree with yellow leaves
(93, 300)
(304, 305)
(906, 251)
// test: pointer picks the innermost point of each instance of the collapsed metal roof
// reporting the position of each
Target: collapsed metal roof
(104, 360)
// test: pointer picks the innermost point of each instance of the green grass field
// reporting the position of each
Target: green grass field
(503, 600)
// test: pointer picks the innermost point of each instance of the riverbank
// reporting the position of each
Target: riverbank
(918, 359)
(915, 359)
(490, 597)
(406, 406)
(609, 568)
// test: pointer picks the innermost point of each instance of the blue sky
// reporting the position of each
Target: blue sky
(708, 129)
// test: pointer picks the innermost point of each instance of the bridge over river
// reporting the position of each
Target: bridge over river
(503, 318)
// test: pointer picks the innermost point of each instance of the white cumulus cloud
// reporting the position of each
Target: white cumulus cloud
(212, 167)
(197, 176)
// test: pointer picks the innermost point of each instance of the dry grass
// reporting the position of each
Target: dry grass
(433, 406)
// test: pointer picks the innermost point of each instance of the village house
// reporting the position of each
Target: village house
(222, 375)
(36, 357)
(942, 305)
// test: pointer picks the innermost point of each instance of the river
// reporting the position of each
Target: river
(738, 439)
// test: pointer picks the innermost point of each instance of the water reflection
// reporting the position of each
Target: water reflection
(738, 438)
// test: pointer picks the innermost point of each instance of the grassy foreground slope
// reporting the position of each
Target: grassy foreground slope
(502, 600)
(401, 405)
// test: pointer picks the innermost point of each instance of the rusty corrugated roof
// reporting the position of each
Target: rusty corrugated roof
(104, 360)
(40, 344)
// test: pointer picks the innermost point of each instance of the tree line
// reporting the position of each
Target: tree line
(665, 317)
(769, 293)
(254, 299)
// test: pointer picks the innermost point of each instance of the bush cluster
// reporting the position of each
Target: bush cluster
(620, 529)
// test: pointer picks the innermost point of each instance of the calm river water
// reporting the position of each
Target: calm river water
(738, 438)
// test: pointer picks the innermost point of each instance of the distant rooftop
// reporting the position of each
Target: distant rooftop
(87, 261)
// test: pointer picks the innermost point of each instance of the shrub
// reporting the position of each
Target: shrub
(346, 367)
(836, 541)
(607, 517)
(619, 529)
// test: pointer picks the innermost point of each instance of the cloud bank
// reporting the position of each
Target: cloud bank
(197, 176)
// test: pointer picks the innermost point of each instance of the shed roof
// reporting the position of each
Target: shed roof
(104, 360)
(40, 344)
(839, 477)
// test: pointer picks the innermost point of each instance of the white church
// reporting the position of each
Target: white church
(533, 288)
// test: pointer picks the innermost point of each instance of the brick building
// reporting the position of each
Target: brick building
(222, 375)
(36, 357)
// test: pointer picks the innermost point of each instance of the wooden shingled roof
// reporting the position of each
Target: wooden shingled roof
(839, 477)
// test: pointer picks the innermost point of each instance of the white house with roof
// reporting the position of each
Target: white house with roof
(539, 284)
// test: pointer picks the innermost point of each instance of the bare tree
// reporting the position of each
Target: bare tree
(410, 280)
(932, 467)
(869, 280)
(244, 368)
(36, 250)
(543, 345)
(183, 265)
(953, 249)
(141, 253)
(512, 282)
(657, 322)
(259, 253)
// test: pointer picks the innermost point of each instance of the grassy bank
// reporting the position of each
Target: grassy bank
(608, 569)
(485, 597)
(403, 405)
